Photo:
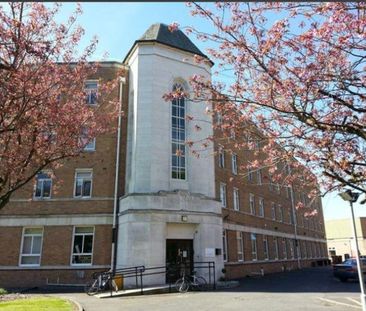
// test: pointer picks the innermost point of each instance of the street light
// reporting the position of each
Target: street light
(352, 197)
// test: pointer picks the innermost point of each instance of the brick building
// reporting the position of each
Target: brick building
(58, 228)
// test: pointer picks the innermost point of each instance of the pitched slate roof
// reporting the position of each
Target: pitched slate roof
(160, 33)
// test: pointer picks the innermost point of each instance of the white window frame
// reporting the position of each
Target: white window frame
(43, 179)
(284, 248)
(236, 199)
(261, 207)
(278, 188)
(259, 177)
(224, 246)
(273, 211)
(89, 92)
(73, 243)
(265, 248)
(21, 255)
(83, 170)
(292, 248)
(232, 134)
(280, 214)
(253, 240)
(223, 196)
(250, 175)
(218, 118)
(252, 204)
(240, 245)
(305, 250)
(234, 164)
(90, 146)
(221, 157)
(181, 167)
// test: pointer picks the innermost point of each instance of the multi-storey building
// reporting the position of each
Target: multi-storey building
(263, 231)
(137, 201)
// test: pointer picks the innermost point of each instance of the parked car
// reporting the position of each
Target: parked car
(348, 269)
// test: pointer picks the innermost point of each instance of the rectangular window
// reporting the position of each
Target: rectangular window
(224, 245)
(270, 182)
(250, 174)
(284, 248)
(87, 143)
(310, 250)
(298, 248)
(223, 194)
(43, 185)
(240, 245)
(261, 207)
(234, 164)
(232, 134)
(292, 249)
(31, 247)
(253, 238)
(236, 199)
(275, 244)
(273, 211)
(83, 184)
(278, 188)
(259, 177)
(178, 155)
(251, 204)
(91, 90)
(221, 157)
(265, 248)
(218, 118)
(280, 213)
(305, 252)
(82, 247)
(291, 217)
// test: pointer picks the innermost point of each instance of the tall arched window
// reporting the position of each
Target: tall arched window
(178, 135)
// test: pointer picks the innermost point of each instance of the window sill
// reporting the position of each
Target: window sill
(82, 198)
(29, 265)
(42, 199)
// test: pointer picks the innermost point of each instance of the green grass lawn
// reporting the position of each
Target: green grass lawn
(37, 304)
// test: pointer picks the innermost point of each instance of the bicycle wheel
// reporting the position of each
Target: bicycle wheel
(181, 285)
(92, 288)
(200, 283)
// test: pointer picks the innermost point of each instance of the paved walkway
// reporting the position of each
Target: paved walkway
(312, 289)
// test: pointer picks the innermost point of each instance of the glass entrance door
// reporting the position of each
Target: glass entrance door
(179, 258)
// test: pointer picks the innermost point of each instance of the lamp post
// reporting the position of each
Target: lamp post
(352, 197)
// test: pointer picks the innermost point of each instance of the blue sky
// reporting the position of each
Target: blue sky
(118, 25)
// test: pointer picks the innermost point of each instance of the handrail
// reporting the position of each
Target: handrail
(139, 272)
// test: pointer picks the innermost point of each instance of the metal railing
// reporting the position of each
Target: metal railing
(171, 272)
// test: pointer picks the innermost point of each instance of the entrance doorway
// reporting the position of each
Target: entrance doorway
(179, 258)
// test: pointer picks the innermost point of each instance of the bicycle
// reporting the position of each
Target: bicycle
(193, 281)
(102, 281)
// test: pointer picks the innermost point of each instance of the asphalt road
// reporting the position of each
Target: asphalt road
(309, 289)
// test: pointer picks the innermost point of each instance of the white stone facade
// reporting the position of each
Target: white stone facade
(152, 209)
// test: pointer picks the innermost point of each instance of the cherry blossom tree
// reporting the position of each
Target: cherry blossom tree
(296, 73)
(43, 110)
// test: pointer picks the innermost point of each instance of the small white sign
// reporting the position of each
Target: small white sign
(185, 254)
(209, 252)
